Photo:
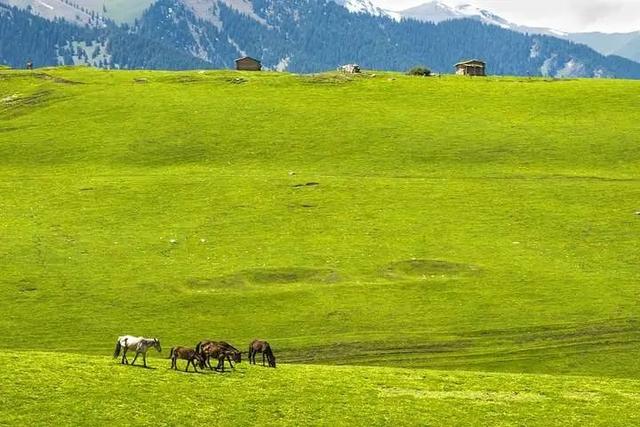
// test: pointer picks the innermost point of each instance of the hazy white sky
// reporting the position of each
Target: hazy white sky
(568, 15)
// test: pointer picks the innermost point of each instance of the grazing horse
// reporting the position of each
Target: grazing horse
(188, 354)
(221, 351)
(138, 344)
(263, 347)
(208, 349)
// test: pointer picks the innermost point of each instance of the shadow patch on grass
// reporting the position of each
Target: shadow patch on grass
(478, 397)
(45, 76)
(182, 79)
(199, 78)
(477, 348)
(543, 80)
(265, 277)
(328, 79)
(21, 104)
(273, 276)
(372, 353)
(10, 129)
(237, 80)
(426, 268)
(18, 100)
(308, 184)
(36, 75)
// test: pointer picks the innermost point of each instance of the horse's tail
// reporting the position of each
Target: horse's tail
(172, 351)
(116, 352)
(199, 347)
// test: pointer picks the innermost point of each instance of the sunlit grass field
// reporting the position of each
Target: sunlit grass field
(54, 389)
(442, 223)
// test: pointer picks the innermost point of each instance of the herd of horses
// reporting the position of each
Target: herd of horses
(200, 356)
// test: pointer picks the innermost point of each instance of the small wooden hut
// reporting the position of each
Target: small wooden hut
(474, 67)
(247, 63)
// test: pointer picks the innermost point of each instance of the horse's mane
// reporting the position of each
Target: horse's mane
(232, 347)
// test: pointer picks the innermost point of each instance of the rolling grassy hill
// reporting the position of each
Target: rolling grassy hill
(61, 389)
(444, 223)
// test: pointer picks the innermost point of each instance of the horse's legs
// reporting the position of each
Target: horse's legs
(124, 357)
(230, 362)
(187, 368)
(144, 359)
(135, 358)
(263, 358)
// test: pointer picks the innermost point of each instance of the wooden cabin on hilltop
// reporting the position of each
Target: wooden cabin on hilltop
(474, 67)
(247, 63)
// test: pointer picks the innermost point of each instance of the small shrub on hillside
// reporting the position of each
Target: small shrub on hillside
(419, 71)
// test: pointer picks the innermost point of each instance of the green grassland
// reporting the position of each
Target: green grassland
(54, 389)
(449, 223)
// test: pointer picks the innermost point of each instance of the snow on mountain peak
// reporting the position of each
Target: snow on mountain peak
(434, 11)
(437, 11)
(362, 6)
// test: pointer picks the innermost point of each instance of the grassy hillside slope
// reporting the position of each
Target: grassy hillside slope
(457, 223)
(45, 389)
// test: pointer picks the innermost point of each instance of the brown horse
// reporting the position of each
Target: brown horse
(208, 349)
(188, 354)
(263, 347)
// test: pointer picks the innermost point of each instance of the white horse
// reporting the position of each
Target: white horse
(138, 344)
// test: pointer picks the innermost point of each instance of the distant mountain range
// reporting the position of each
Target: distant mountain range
(626, 45)
(295, 35)
(437, 11)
